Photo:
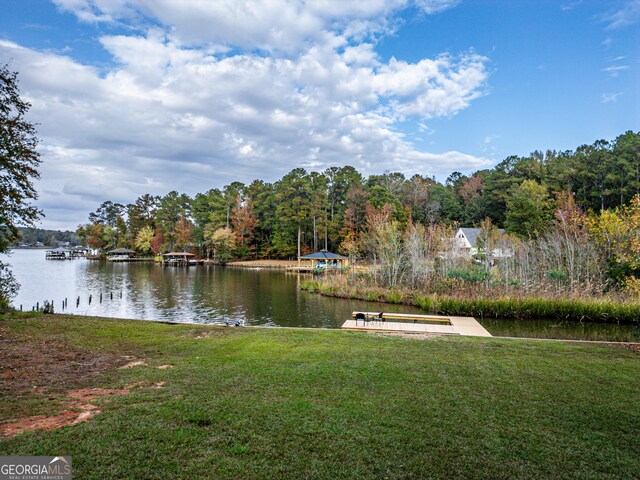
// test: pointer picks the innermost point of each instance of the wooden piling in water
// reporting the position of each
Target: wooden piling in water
(90, 296)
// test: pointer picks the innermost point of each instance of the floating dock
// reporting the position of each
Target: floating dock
(409, 323)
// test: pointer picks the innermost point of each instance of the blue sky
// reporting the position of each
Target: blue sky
(138, 97)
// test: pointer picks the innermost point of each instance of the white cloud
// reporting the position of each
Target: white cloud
(623, 17)
(614, 70)
(570, 5)
(610, 97)
(285, 25)
(170, 116)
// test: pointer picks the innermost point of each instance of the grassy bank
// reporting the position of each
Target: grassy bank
(580, 310)
(279, 403)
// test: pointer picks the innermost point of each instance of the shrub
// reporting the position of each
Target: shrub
(394, 296)
(558, 275)
(473, 276)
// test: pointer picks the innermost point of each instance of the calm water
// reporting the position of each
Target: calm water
(209, 294)
(202, 294)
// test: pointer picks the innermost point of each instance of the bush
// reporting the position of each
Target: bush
(394, 296)
(47, 307)
(473, 276)
(8, 287)
(558, 275)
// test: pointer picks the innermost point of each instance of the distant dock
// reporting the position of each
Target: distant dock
(409, 323)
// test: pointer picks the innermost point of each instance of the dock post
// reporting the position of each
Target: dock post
(90, 299)
(100, 297)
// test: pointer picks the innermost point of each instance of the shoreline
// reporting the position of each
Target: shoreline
(575, 310)
(633, 344)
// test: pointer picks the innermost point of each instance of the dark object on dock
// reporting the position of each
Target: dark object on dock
(368, 316)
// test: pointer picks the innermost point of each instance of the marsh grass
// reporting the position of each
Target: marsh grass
(606, 310)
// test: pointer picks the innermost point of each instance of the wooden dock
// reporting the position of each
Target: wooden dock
(408, 323)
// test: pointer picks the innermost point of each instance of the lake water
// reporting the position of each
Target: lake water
(210, 294)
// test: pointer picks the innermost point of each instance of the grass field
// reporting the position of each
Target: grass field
(284, 403)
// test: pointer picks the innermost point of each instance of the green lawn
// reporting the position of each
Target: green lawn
(282, 403)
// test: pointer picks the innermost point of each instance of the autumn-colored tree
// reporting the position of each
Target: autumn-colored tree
(144, 238)
(224, 243)
(158, 242)
(183, 233)
(384, 240)
(355, 217)
(244, 222)
(617, 233)
(95, 236)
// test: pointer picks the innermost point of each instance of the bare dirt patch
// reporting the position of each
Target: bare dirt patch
(26, 363)
(88, 394)
(77, 412)
(136, 363)
(634, 347)
(413, 336)
(213, 332)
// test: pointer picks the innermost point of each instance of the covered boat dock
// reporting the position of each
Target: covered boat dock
(321, 260)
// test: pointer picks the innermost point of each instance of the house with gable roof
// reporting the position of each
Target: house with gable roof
(467, 241)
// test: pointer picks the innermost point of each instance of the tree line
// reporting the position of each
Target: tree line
(32, 236)
(307, 211)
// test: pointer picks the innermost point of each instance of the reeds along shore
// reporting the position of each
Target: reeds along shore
(607, 310)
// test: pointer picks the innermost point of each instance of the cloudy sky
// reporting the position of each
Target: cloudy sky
(148, 96)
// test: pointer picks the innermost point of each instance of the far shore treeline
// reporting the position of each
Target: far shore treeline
(542, 201)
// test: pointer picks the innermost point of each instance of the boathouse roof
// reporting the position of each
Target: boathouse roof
(178, 254)
(121, 251)
(323, 256)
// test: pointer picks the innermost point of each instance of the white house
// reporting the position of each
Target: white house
(466, 238)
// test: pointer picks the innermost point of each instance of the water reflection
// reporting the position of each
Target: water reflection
(203, 294)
